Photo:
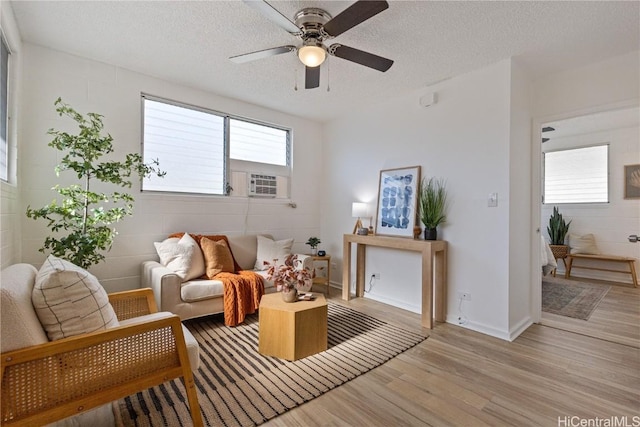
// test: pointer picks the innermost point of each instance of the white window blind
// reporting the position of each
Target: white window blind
(4, 104)
(254, 142)
(579, 175)
(189, 145)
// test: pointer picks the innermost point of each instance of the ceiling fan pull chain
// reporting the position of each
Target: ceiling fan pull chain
(295, 78)
(328, 75)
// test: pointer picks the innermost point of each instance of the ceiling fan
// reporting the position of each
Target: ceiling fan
(313, 26)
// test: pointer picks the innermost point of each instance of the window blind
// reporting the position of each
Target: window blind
(579, 175)
(258, 143)
(4, 104)
(189, 145)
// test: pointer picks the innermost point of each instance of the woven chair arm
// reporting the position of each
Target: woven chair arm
(48, 382)
(134, 303)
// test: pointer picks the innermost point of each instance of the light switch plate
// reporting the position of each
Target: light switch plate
(493, 200)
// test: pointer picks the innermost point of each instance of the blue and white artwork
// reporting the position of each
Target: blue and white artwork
(397, 201)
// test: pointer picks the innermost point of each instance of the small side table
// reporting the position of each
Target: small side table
(323, 280)
(292, 330)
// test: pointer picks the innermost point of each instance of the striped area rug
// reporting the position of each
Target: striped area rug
(239, 387)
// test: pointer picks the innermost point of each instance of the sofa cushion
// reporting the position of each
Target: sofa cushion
(217, 257)
(20, 326)
(182, 255)
(215, 237)
(271, 251)
(198, 290)
(70, 301)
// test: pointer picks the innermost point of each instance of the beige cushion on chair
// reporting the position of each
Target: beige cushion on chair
(70, 301)
(20, 326)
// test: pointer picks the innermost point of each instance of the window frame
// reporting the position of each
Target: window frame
(607, 145)
(229, 164)
(6, 82)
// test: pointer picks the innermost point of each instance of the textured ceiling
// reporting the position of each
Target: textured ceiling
(190, 43)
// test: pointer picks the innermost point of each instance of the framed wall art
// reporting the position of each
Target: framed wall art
(397, 201)
(632, 181)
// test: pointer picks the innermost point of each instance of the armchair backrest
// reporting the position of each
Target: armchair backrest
(20, 326)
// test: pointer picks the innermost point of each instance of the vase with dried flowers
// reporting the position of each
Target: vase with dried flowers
(289, 277)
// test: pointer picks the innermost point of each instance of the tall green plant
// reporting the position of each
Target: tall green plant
(432, 202)
(81, 221)
(557, 227)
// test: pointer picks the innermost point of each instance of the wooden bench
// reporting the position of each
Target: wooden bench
(608, 258)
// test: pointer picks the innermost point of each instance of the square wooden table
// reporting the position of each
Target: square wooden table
(292, 330)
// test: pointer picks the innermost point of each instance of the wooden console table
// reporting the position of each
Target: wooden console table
(434, 254)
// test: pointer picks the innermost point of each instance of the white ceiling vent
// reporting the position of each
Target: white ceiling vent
(263, 185)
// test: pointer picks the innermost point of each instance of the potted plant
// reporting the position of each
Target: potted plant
(81, 221)
(313, 242)
(288, 279)
(558, 229)
(432, 205)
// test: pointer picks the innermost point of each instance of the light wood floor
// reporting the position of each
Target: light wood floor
(458, 377)
(616, 319)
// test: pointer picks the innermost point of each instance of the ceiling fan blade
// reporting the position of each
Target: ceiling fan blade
(361, 57)
(273, 15)
(355, 14)
(260, 54)
(311, 77)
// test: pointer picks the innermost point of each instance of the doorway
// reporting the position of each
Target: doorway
(618, 313)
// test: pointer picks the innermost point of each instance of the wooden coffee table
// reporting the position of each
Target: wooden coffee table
(292, 330)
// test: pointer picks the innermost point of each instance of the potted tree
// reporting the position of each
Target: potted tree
(432, 205)
(81, 221)
(313, 242)
(558, 229)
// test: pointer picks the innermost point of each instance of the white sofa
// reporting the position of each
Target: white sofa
(197, 298)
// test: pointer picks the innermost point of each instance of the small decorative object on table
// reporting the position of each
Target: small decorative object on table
(322, 253)
(287, 278)
(313, 242)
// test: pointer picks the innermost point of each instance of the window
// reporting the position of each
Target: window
(579, 175)
(258, 143)
(197, 147)
(4, 110)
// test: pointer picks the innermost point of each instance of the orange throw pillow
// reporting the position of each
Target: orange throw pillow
(217, 257)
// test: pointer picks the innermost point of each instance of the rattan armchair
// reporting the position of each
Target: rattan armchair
(48, 382)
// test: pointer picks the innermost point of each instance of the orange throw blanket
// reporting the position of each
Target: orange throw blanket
(242, 294)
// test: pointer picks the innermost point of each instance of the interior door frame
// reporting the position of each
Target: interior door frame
(536, 191)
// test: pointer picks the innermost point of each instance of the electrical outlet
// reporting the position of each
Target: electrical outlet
(465, 296)
(334, 265)
(376, 276)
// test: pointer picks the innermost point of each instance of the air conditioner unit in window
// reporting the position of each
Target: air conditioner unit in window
(263, 185)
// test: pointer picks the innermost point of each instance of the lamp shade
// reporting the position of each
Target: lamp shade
(311, 55)
(359, 210)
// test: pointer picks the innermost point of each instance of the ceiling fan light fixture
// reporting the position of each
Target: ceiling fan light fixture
(312, 55)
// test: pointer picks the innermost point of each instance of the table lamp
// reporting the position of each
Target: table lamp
(359, 210)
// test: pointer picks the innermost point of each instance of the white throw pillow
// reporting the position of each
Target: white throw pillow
(182, 256)
(70, 301)
(269, 249)
(583, 244)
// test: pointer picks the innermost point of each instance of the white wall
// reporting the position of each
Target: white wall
(464, 138)
(91, 86)
(520, 211)
(580, 90)
(9, 197)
